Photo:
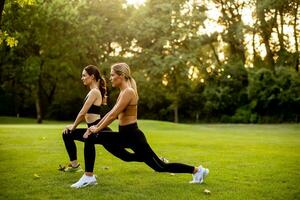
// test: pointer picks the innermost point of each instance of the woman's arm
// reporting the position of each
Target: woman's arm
(121, 104)
(88, 103)
(107, 114)
(103, 118)
(88, 131)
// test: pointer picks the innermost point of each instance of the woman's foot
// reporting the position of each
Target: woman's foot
(85, 181)
(200, 175)
(71, 168)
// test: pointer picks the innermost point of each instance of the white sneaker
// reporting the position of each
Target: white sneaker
(85, 181)
(199, 176)
(205, 174)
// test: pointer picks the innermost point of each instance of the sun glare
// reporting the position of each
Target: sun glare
(135, 2)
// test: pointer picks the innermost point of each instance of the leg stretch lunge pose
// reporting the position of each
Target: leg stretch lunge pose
(90, 112)
(129, 135)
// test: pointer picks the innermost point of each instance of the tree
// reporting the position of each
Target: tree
(183, 72)
(166, 39)
(2, 2)
(39, 58)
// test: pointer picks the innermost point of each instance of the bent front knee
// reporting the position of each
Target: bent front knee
(65, 136)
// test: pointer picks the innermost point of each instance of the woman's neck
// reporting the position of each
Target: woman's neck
(93, 85)
(123, 86)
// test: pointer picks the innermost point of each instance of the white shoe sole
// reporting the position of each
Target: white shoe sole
(84, 185)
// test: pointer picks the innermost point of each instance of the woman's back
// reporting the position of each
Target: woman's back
(93, 113)
(129, 114)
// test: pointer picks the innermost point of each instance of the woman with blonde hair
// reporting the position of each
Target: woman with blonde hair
(129, 135)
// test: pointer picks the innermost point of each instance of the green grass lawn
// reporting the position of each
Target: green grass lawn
(245, 162)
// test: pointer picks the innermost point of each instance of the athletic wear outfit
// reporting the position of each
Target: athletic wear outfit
(77, 134)
(130, 136)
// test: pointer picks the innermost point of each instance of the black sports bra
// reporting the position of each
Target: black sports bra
(94, 109)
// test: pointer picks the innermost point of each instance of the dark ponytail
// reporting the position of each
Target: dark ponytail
(103, 90)
(93, 70)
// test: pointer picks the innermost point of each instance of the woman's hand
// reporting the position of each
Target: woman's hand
(94, 129)
(68, 129)
(87, 133)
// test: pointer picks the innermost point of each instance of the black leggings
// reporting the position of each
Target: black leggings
(89, 151)
(130, 136)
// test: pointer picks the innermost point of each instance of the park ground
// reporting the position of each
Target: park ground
(246, 161)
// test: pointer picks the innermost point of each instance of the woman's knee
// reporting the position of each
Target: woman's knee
(159, 169)
(65, 136)
(89, 141)
(157, 165)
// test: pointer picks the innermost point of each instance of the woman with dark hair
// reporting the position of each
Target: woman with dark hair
(129, 135)
(90, 113)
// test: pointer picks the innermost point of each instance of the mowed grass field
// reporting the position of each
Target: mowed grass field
(245, 162)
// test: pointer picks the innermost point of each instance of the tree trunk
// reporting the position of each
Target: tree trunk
(176, 114)
(1, 10)
(197, 117)
(235, 35)
(38, 103)
(38, 97)
(295, 37)
(38, 109)
(215, 53)
(253, 45)
(279, 32)
(265, 30)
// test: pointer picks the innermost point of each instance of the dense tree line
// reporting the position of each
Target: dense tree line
(190, 66)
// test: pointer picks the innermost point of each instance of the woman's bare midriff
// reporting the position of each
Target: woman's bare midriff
(125, 120)
(90, 118)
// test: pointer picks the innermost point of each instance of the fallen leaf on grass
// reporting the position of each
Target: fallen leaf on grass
(36, 176)
(206, 191)
(105, 167)
(61, 168)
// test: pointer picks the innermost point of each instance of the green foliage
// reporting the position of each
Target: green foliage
(182, 73)
(275, 94)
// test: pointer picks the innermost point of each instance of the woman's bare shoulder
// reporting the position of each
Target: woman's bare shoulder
(95, 92)
(129, 90)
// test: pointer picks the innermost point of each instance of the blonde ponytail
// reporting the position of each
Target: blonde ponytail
(133, 86)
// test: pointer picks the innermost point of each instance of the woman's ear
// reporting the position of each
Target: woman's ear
(123, 76)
